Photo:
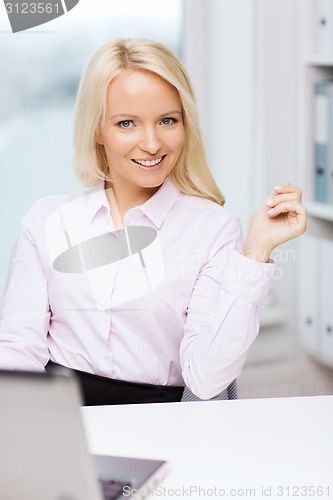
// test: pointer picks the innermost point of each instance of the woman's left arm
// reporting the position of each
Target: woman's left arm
(223, 313)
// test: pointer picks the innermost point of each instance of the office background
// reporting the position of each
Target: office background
(243, 58)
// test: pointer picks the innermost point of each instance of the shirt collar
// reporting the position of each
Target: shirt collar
(160, 204)
(156, 208)
(97, 201)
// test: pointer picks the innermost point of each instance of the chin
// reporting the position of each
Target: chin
(153, 182)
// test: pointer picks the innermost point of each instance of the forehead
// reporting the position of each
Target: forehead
(141, 90)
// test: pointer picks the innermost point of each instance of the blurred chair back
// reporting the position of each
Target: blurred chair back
(229, 393)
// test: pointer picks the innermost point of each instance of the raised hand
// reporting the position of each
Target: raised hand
(280, 218)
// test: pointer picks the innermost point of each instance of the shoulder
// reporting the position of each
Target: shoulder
(43, 207)
(204, 222)
(205, 211)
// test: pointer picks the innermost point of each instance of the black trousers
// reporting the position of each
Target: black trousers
(97, 390)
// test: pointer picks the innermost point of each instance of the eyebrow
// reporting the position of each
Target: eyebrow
(124, 115)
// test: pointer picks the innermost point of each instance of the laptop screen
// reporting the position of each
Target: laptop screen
(43, 452)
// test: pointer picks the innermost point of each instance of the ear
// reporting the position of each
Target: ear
(98, 137)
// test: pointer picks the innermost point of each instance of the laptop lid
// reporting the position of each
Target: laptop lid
(43, 449)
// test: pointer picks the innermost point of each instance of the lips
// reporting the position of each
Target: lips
(149, 163)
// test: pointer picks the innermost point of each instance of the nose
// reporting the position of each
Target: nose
(150, 141)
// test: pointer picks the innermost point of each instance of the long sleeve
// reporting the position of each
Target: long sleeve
(25, 315)
(222, 320)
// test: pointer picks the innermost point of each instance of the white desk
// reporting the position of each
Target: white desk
(226, 448)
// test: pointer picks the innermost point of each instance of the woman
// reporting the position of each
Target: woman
(143, 283)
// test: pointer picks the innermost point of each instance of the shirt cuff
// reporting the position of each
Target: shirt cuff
(247, 278)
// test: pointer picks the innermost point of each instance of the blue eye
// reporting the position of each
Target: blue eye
(125, 124)
(168, 121)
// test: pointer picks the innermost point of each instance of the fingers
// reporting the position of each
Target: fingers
(284, 194)
(288, 188)
(283, 198)
(285, 207)
(294, 209)
(301, 216)
(285, 189)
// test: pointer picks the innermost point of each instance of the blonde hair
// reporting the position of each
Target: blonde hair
(191, 173)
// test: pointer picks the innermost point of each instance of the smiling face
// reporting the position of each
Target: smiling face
(143, 134)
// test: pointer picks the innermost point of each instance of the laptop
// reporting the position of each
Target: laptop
(43, 448)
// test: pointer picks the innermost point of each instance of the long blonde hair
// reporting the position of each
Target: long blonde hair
(191, 173)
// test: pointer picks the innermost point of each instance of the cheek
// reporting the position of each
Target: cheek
(118, 143)
(179, 140)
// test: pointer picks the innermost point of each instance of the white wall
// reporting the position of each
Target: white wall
(277, 72)
(220, 57)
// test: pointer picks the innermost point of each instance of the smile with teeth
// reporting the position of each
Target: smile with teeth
(147, 163)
